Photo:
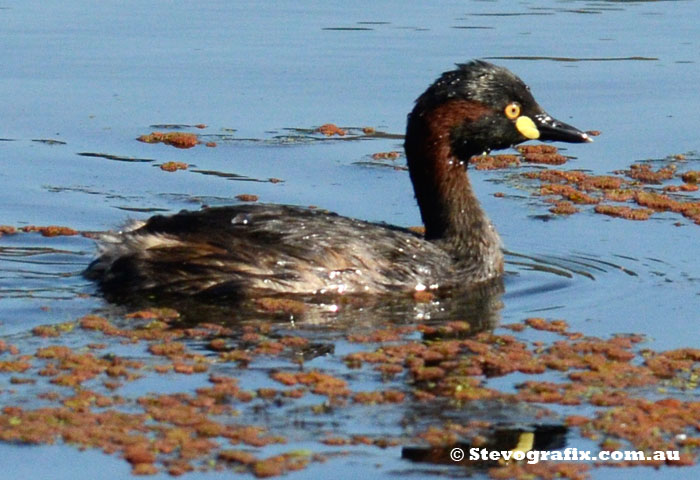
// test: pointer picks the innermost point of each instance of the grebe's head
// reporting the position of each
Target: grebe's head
(481, 107)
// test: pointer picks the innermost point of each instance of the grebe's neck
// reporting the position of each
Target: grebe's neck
(451, 212)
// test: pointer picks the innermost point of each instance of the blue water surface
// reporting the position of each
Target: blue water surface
(89, 77)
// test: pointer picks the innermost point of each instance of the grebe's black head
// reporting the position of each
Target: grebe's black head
(483, 107)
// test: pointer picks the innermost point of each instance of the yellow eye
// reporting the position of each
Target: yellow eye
(512, 110)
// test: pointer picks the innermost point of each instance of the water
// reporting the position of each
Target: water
(95, 77)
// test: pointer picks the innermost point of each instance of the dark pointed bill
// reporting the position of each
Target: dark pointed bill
(553, 130)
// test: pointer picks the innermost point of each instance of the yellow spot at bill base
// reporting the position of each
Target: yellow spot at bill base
(527, 127)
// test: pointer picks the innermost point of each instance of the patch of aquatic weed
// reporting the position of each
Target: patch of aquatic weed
(79, 371)
(613, 375)
(637, 193)
(284, 136)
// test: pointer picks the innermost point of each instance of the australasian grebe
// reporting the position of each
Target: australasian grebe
(263, 249)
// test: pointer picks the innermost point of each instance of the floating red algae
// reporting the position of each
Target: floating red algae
(374, 398)
(108, 430)
(647, 425)
(383, 335)
(294, 393)
(237, 456)
(236, 355)
(554, 175)
(453, 328)
(177, 467)
(285, 378)
(609, 399)
(613, 374)
(16, 366)
(494, 162)
(568, 192)
(492, 356)
(645, 174)
(7, 230)
(247, 197)
(294, 342)
(173, 166)
(619, 195)
(422, 374)
(692, 176)
(393, 155)
(269, 347)
(539, 148)
(563, 208)
(52, 330)
(624, 212)
(218, 345)
(251, 435)
(267, 393)
(542, 154)
(71, 369)
(95, 322)
(50, 231)
(604, 363)
(281, 464)
(321, 383)
(575, 186)
(155, 329)
(155, 313)
(210, 144)
(581, 180)
(616, 348)
(181, 430)
(22, 381)
(175, 139)
(282, 305)
(660, 202)
(139, 453)
(668, 364)
(545, 158)
(558, 326)
(686, 187)
(438, 437)
(601, 182)
(329, 129)
(541, 392)
(167, 349)
(336, 441)
(656, 201)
